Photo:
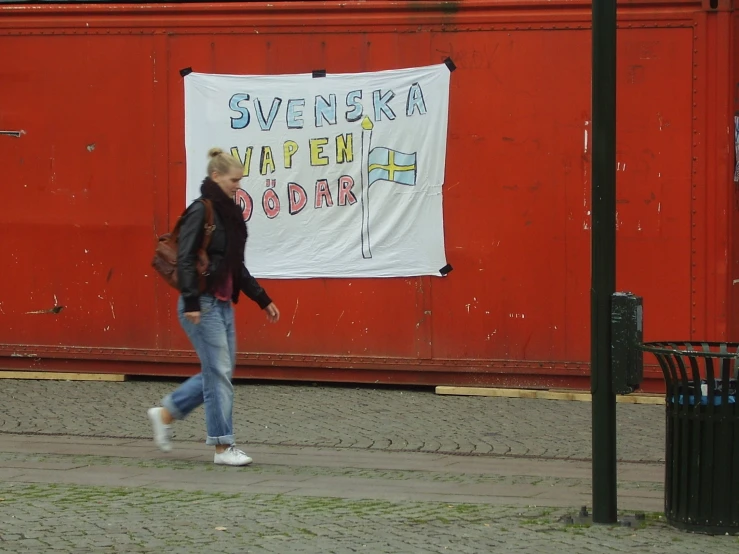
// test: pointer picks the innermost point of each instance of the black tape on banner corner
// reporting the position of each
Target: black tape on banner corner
(186, 71)
(445, 270)
(319, 73)
(450, 64)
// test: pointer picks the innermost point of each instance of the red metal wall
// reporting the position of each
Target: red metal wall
(100, 172)
(733, 208)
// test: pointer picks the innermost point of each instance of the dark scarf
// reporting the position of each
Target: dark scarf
(233, 221)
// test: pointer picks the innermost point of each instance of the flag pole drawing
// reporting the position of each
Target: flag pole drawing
(381, 164)
(367, 127)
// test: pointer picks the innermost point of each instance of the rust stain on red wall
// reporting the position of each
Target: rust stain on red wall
(99, 171)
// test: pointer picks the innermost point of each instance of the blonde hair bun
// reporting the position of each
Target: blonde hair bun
(222, 163)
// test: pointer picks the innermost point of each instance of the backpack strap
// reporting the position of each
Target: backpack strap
(209, 225)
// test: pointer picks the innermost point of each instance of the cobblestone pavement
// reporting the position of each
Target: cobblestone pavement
(344, 417)
(95, 494)
(36, 518)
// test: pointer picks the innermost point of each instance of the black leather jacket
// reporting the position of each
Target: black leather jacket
(189, 242)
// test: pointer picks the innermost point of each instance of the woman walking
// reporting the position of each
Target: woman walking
(207, 317)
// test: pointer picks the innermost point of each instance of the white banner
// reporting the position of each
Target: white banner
(343, 173)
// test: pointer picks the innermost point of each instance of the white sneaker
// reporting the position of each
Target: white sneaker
(161, 431)
(232, 456)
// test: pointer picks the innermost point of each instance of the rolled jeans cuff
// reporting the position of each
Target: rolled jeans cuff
(169, 405)
(226, 439)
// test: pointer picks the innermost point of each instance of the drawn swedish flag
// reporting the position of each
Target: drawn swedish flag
(393, 166)
(381, 164)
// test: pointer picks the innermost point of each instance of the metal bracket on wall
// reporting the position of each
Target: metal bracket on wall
(16, 134)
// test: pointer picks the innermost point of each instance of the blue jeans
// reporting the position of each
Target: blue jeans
(214, 340)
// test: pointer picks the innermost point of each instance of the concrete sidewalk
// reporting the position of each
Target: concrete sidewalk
(322, 472)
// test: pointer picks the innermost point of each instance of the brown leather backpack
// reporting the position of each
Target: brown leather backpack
(165, 254)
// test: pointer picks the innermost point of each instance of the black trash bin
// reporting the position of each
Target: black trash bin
(702, 446)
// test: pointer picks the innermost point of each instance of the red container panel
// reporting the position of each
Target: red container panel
(100, 171)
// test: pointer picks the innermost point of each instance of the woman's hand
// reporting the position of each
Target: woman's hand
(193, 317)
(273, 314)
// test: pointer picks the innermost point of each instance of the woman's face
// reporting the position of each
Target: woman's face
(229, 182)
